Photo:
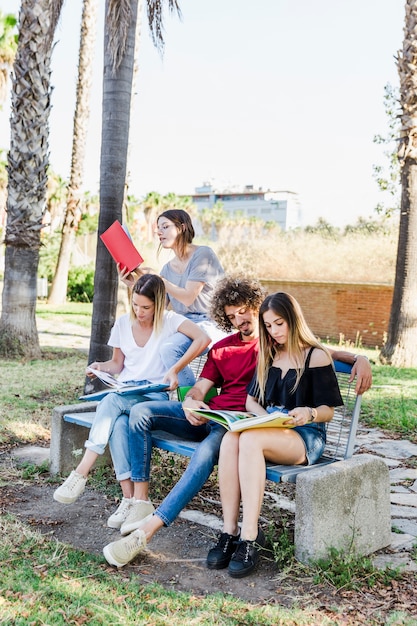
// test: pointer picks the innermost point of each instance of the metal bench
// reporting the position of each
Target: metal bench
(67, 436)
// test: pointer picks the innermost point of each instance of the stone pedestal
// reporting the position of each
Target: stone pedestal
(344, 505)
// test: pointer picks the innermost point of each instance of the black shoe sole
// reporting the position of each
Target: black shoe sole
(244, 572)
(218, 565)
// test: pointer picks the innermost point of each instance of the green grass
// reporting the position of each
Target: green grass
(33, 389)
(391, 403)
(45, 582)
(351, 572)
(74, 312)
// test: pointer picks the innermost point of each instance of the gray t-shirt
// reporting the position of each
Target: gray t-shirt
(204, 266)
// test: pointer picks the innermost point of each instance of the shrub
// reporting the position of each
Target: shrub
(81, 284)
(48, 255)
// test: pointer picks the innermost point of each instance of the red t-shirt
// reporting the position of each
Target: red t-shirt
(230, 365)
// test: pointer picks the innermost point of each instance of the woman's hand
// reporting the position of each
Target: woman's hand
(301, 416)
(126, 277)
(95, 366)
(171, 379)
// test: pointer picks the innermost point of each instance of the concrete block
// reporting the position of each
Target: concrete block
(343, 505)
(67, 440)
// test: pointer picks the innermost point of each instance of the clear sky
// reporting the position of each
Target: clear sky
(282, 94)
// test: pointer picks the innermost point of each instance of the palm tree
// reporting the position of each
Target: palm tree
(8, 47)
(27, 181)
(58, 291)
(151, 206)
(401, 345)
(119, 53)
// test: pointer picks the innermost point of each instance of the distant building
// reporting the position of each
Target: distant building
(282, 207)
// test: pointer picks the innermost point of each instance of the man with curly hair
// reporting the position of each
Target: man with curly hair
(229, 367)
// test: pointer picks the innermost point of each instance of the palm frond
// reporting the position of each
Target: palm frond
(118, 19)
(155, 19)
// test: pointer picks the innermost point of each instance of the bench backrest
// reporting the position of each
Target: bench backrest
(340, 432)
(197, 365)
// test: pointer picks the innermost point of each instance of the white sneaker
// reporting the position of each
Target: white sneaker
(118, 517)
(71, 489)
(121, 552)
(138, 515)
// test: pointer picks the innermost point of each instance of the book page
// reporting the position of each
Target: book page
(106, 378)
(271, 420)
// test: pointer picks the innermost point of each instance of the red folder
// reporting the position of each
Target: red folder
(118, 242)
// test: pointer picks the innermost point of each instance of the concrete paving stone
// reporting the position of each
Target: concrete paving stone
(205, 519)
(401, 449)
(369, 438)
(405, 499)
(282, 502)
(402, 541)
(35, 455)
(399, 489)
(408, 512)
(392, 463)
(401, 474)
(409, 527)
(393, 561)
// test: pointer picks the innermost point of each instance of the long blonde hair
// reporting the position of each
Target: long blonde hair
(300, 337)
(151, 286)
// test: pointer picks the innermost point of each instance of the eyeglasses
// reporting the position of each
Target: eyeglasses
(163, 228)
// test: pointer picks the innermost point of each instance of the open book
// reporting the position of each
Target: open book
(120, 245)
(236, 421)
(120, 387)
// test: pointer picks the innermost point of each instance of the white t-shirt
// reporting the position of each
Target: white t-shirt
(143, 363)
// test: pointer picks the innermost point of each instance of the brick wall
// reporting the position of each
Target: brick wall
(358, 311)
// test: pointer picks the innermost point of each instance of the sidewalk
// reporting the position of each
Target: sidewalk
(67, 336)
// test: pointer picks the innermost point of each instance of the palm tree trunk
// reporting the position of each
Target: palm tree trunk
(119, 49)
(400, 348)
(58, 291)
(28, 161)
(117, 92)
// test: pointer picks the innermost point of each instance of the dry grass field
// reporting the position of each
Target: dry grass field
(300, 255)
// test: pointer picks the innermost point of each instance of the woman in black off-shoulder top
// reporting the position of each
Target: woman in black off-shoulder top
(294, 373)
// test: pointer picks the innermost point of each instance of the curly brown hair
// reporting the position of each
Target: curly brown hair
(235, 291)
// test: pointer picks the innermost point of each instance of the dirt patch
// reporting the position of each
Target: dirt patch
(176, 556)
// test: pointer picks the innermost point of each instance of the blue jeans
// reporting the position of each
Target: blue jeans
(178, 343)
(169, 416)
(171, 351)
(108, 411)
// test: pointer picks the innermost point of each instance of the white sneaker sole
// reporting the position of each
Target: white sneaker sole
(126, 529)
(64, 500)
(115, 524)
(109, 558)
